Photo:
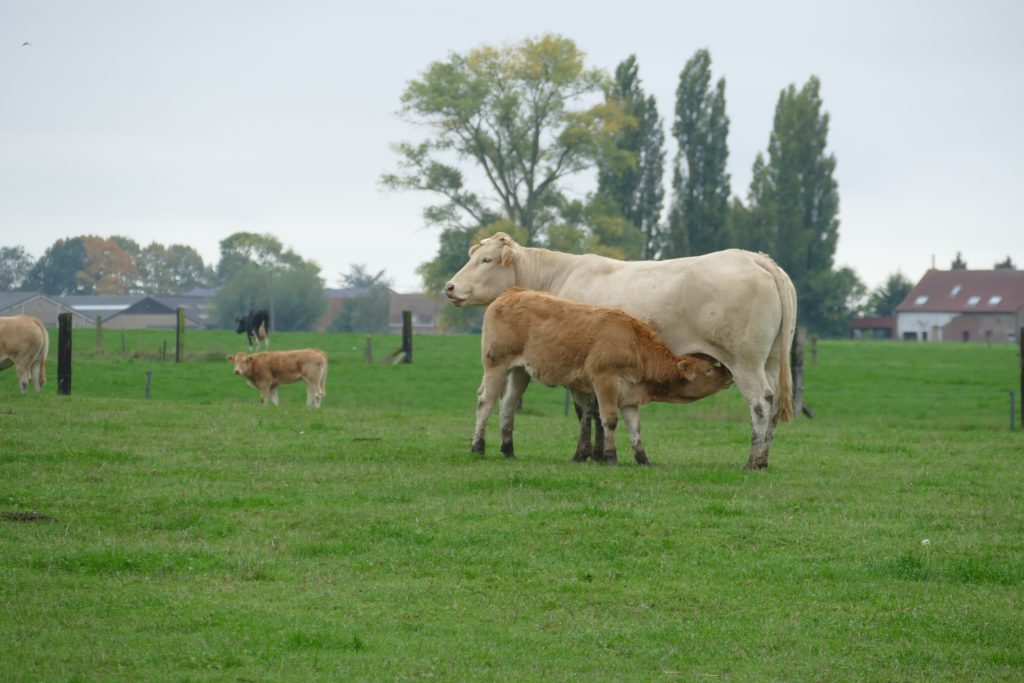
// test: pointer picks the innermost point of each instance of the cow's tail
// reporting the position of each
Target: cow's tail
(784, 339)
(44, 351)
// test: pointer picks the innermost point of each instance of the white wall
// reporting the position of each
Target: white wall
(932, 323)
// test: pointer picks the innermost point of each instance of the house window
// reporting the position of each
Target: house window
(994, 300)
(956, 290)
(923, 299)
(973, 301)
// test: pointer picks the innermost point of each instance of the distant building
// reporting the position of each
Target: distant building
(424, 308)
(159, 313)
(873, 328)
(41, 306)
(963, 305)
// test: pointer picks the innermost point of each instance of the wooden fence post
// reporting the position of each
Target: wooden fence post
(814, 349)
(64, 354)
(368, 353)
(179, 337)
(1020, 341)
(407, 336)
(99, 334)
(796, 363)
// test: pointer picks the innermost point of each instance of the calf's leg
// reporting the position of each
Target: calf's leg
(631, 414)
(607, 391)
(486, 395)
(515, 387)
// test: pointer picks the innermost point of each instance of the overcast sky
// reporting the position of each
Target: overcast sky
(184, 122)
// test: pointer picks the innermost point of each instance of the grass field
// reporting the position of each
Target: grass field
(197, 535)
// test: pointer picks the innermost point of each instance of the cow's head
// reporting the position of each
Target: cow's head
(489, 272)
(242, 326)
(243, 363)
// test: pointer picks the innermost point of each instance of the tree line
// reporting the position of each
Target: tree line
(509, 125)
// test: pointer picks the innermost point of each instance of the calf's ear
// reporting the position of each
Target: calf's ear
(231, 359)
(686, 369)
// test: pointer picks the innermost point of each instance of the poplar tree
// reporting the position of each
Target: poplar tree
(794, 202)
(632, 182)
(700, 183)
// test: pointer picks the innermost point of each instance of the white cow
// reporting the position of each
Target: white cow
(736, 306)
(24, 344)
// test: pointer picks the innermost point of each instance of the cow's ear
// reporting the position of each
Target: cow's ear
(231, 359)
(507, 252)
(686, 369)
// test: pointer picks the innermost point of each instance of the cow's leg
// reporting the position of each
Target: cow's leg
(760, 397)
(515, 387)
(273, 395)
(486, 395)
(24, 376)
(36, 374)
(310, 393)
(631, 414)
(607, 391)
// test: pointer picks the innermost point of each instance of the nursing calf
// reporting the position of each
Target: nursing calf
(24, 344)
(268, 370)
(589, 350)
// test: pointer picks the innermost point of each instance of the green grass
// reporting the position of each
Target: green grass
(200, 536)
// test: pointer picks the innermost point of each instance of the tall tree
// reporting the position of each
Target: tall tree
(958, 263)
(884, 299)
(15, 265)
(517, 113)
(171, 270)
(631, 179)
(109, 268)
(61, 270)
(700, 183)
(294, 295)
(795, 201)
(242, 248)
(1008, 264)
(368, 311)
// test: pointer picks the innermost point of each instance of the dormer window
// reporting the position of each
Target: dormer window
(954, 292)
(973, 301)
(923, 299)
(994, 300)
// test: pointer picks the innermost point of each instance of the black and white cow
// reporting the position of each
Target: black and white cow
(256, 327)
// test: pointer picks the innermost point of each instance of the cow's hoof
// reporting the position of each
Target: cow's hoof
(759, 465)
(610, 459)
(508, 451)
(477, 448)
(641, 459)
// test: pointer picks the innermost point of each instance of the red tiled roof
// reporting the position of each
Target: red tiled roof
(966, 291)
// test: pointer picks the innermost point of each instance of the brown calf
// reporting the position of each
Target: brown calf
(589, 350)
(24, 344)
(268, 370)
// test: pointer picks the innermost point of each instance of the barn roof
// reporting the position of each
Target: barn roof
(966, 291)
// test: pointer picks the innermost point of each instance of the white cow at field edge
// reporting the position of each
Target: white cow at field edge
(24, 343)
(736, 306)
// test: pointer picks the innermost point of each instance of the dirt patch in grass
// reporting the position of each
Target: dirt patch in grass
(26, 516)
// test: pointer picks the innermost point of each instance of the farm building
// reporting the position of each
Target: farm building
(963, 305)
(873, 328)
(41, 306)
(152, 313)
(424, 313)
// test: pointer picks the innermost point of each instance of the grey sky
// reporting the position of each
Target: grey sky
(183, 122)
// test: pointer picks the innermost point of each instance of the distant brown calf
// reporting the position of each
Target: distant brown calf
(24, 344)
(268, 370)
(589, 350)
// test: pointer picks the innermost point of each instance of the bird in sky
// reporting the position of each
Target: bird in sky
(26, 44)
